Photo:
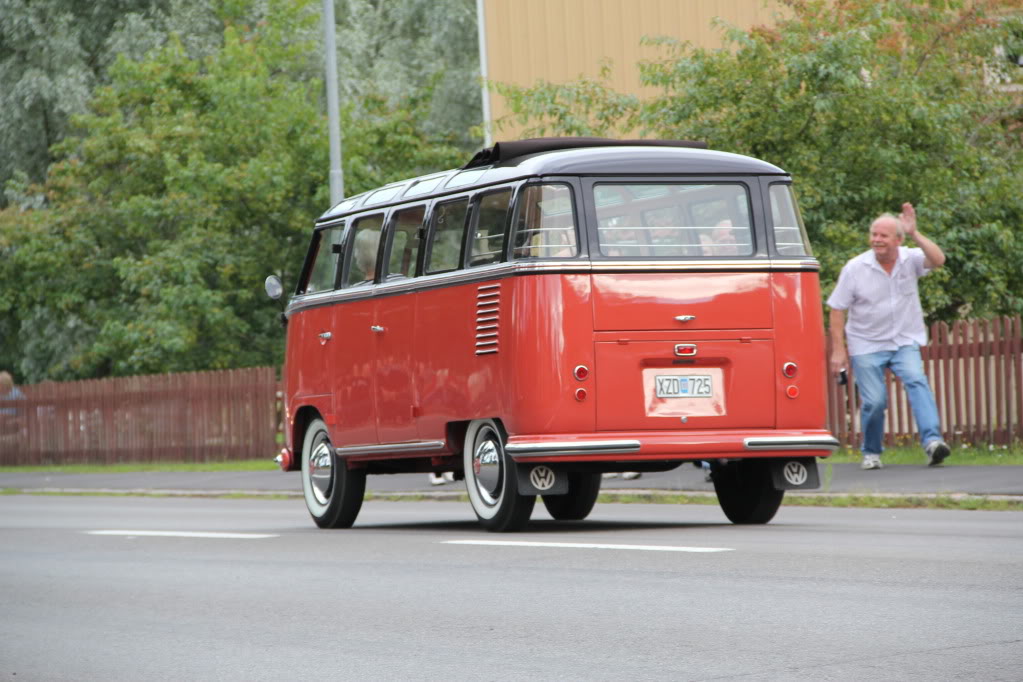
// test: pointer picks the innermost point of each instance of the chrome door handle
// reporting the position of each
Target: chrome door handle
(324, 337)
(377, 328)
(685, 318)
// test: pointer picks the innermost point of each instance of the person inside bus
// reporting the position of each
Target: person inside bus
(664, 232)
(365, 257)
(885, 330)
(720, 241)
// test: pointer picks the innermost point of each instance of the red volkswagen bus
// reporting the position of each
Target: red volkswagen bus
(556, 309)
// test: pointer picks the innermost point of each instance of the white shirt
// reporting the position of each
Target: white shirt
(884, 310)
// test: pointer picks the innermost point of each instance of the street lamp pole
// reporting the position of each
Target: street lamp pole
(337, 180)
(481, 32)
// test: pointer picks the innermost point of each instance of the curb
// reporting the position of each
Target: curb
(458, 495)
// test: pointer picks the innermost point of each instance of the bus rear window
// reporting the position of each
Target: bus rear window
(545, 227)
(673, 220)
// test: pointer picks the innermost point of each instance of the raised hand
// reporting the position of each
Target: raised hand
(908, 218)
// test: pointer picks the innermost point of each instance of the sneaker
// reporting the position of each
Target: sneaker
(436, 479)
(871, 462)
(609, 474)
(631, 475)
(937, 451)
(449, 476)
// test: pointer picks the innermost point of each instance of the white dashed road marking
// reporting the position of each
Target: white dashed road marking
(587, 545)
(182, 534)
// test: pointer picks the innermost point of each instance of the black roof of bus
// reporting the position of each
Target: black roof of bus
(507, 161)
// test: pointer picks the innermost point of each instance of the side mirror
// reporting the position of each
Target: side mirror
(273, 286)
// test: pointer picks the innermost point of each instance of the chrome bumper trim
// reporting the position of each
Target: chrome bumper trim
(592, 447)
(418, 446)
(791, 443)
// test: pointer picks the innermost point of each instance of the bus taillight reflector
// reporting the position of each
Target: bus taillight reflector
(789, 369)
(580, 394)
(581, 372)
(792, 391)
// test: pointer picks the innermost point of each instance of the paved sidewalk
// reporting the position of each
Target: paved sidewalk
(835, 478)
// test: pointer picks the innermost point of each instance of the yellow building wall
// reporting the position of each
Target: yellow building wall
(559, 41)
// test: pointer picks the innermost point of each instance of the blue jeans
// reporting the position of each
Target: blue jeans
(909, 368)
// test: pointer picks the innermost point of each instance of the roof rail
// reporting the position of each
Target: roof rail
(503, 151)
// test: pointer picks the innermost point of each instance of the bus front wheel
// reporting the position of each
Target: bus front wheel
(745, 491)
(583, 489)
(333, 492)
(490, 480)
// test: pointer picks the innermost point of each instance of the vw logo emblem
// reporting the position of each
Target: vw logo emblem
(795, 473)
(542, 477)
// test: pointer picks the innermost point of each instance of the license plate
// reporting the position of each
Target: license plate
(688, 386)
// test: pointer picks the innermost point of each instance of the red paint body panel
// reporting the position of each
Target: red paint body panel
(453, 383)
(800, 339)
(551, 327)
(715, 300)
(740, 372)
(421, 373)
(396, 357)
(352, 369)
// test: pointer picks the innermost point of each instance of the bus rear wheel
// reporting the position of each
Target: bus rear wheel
(745, 491)
(576, 505)
(333, 492)
(490, 480)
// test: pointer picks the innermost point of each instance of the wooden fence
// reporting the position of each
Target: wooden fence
(196, 416)
(975, 370)
(974, 367)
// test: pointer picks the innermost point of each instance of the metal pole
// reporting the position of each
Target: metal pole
(337, 180)
(481, 30)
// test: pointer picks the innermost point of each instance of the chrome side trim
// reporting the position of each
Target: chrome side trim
(488, 273)
(791, 443)
(591, 447)
(707, 264)
(418, 446)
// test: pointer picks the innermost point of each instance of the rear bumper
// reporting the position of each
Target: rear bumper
(670, 445)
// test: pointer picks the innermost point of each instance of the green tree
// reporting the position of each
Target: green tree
(389, 50)
(868, 104)
(53, 53)
(190, 181)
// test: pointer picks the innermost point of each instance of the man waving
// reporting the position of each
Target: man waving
(885, 329)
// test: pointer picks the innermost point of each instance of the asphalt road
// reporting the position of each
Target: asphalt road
(91, 590)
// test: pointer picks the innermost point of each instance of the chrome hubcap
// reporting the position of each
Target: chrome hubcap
(321, 472)
(487, 470)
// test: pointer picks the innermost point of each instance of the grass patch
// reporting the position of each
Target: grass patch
(132, 467)
(994, 455)
(961, 502)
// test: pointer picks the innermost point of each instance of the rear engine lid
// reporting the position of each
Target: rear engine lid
(682, 301)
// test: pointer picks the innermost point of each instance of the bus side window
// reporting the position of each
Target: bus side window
(491, 221)
(323, 269)
(404, 246)
(365, 245)
(546, 226)
(789, 232)
(444, 247)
